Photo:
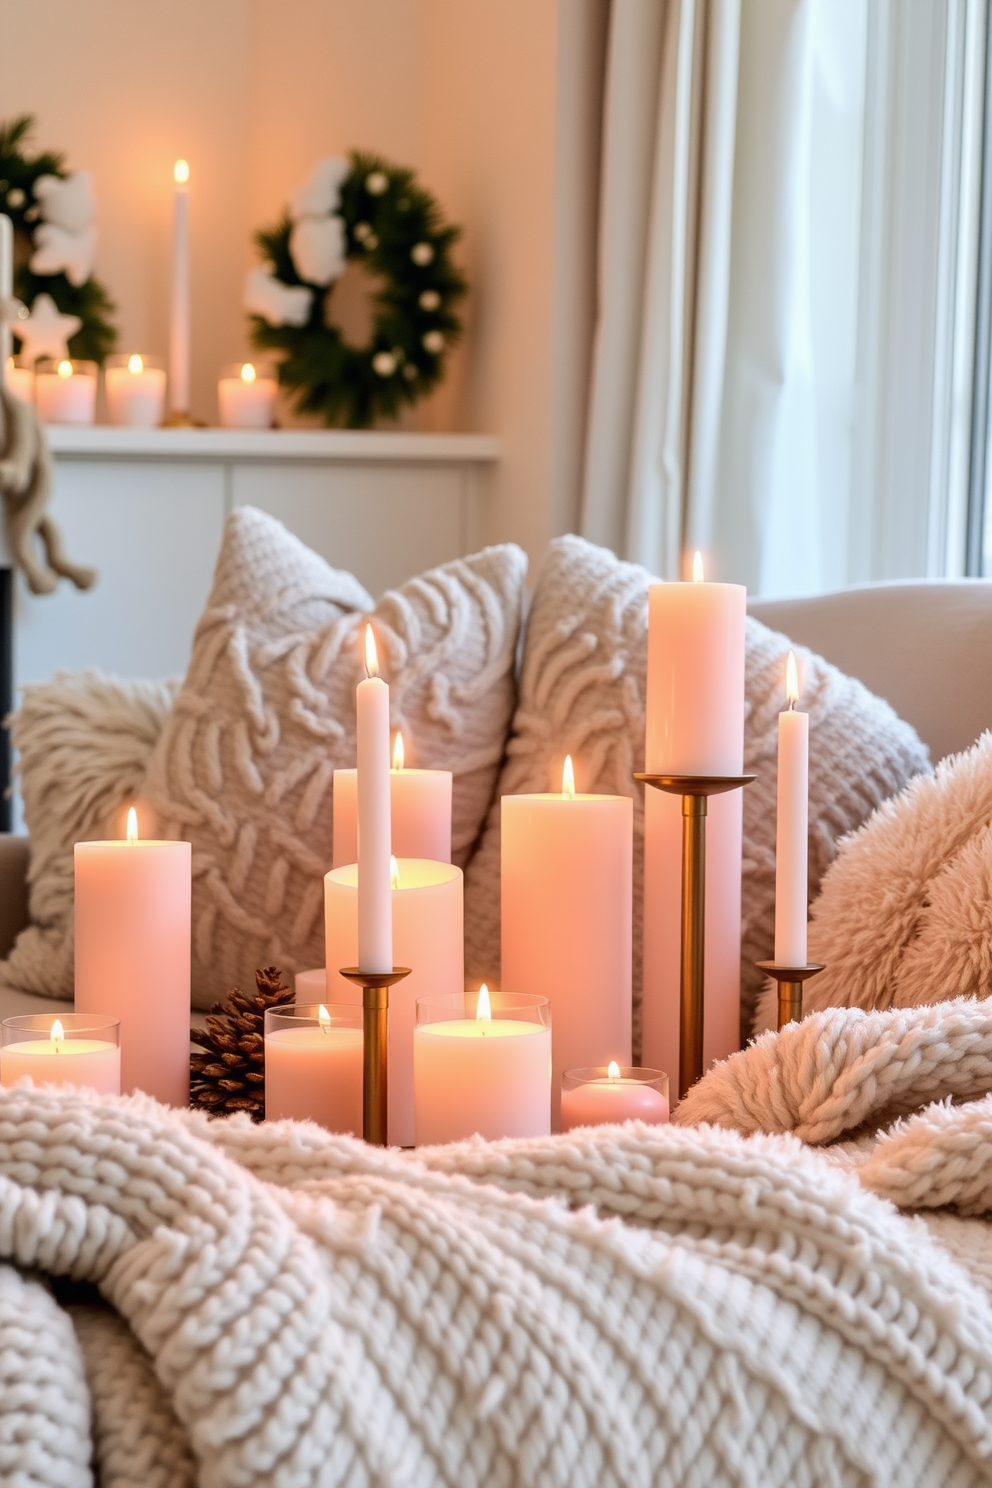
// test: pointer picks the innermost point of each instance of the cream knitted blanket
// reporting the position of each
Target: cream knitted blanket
(628, 1306)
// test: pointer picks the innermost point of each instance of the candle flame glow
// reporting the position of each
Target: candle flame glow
(483, 1011)
(568, 780)
(399, 754)
(697, 567)
(792, 680)
(65, 369)
(135, 364)
(58, 1032)
(180, 172)
(132, 825)
(323, 1018)
(394, 873)
(614, 1070)
(248, 373)
(371, 655)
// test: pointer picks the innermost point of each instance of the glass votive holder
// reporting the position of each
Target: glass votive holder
(135, 390)
(313, 1064)
(246, 396)
(65, 391)
(18, 379)
(481, 1065)
(603, 1096)
(67, 1049)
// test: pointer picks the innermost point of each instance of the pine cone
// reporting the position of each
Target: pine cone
(229, 1075)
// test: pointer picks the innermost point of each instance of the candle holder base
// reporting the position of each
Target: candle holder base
(790, 987)
(375, 987)
(695, 790)
(181, 421)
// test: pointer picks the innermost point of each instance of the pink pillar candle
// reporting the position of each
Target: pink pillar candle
(428, 936)
(420, 812)
(482, 1065)
(18, 378)
(73, 1049)
(132, 917)
(603, 1097)
(65, 392)
(694, 726)
(313, 1065)
(567, 905)
(135, 391)
(375, 921)
(246, 399)
(792, 828)
(311, 986)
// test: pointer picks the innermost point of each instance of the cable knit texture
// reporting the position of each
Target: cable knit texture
(83, 743)
(905, 916)
(245, 764)
(582, 688)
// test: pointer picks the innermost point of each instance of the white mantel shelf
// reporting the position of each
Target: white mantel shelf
(344, 446)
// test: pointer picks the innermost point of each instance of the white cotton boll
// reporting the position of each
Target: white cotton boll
(422, 253)
(68, 203)
(277, 303)
(57, 251)
(320, 193)
(318, 248)
(433, 342)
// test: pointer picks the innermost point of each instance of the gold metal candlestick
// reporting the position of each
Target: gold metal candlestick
(790, 987)
(695, 791)
(375, 987)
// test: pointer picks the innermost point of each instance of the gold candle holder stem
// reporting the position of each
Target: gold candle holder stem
(790, 987)
(375, 987)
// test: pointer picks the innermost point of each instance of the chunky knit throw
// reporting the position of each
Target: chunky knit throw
(625, 1306)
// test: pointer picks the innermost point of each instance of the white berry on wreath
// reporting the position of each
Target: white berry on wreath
(376, 183)
(429, 300)
(422, 253)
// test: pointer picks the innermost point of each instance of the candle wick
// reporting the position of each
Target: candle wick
(792, 705)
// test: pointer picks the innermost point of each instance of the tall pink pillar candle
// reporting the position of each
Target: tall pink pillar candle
(695, 726)
(428, 936)
(567, 896)
(313, 1066)
(420, 812)
(132, 922)
(179, 323)
(792, 828)
(375, 915)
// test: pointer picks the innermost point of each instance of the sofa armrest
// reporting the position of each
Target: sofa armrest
(15, 853)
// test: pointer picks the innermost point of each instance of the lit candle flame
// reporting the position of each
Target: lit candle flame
(394, 873)
(180, 172)
(371, 655)
(792, 680)
(483, 1011)
(57, 1034)
(248, 373)
(399, 755)
(614, 1070)
(323, 1018)
(132, 825)
(65, 369)
(568, 780)
(697, 567)
(135, 364)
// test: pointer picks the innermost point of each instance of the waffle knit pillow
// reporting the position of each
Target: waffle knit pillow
(83, 743)
(244, 767)
(582, 690)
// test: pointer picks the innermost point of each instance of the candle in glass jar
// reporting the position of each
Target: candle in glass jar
(135, 391)
(246, 399)
(482, 1070)
(375, 909)
(313, 1065)
(179, 326)
(602, 1097)
(65, 391)
(73, 1049)
(132, 954)
(420, 811)
(792, 827)
(19, 380)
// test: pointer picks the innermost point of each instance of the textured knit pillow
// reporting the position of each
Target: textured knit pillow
(582, 690)
(83, 743)
(267, 712)
(905, 916)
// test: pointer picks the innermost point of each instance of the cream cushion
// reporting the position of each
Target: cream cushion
(244, 767)
(582, 692)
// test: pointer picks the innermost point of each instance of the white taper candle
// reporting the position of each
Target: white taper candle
(375, 909)
(179, 329)
(792, 828)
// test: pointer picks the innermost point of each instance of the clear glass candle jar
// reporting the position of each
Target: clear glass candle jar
(135, 390)
(18, 379)
(67, 1049)
(313, 1065)
(603, 1096)
(246, 396)
(65, 391)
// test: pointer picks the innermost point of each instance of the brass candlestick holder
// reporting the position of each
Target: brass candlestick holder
(790, 987)
(375, 987)
(695, 791)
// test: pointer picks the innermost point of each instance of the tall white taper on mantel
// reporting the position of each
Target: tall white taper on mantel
(179, 327)
(6, 292)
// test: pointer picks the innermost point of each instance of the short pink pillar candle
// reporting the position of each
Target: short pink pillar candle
(132, 913)
(603, 1097)
(420, 810)
(73, 1049)
(482, 1065)
(313, 1065)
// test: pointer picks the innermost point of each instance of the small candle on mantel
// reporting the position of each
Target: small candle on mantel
(598, 1097)
(420, 810)
(792, 827)
(375, 907)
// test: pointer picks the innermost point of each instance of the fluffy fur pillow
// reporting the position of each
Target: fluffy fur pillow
(582, 691)
(905, 916)
(83, 742)
(244, 766)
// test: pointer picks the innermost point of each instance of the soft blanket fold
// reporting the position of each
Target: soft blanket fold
(623, 1306)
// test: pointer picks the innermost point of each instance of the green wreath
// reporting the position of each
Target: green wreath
(365, 209)
(79, 295)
